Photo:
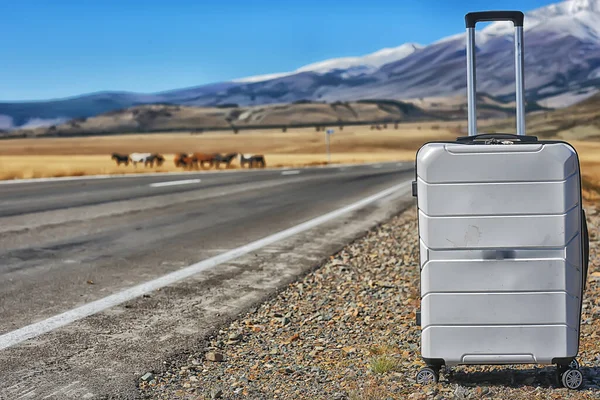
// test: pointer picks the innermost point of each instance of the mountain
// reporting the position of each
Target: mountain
(562, 67)
(576, 122)
(164, 118)
(170, 118)
(368, 63)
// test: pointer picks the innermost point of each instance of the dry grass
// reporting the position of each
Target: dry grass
(55, 157)
(383, 364)
(51, 157)
(372, 391)
(589, 156)
(24, 167)
(308, 141)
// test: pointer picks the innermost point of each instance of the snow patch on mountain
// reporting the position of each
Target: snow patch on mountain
(355, 65)
(577, 18)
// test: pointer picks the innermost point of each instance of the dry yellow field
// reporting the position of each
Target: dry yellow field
(55, 157)
(50, 157)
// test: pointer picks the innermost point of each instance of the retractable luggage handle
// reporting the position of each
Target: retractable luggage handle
(471, 20)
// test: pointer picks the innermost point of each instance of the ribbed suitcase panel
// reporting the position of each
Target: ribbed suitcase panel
(512, 308)
(509, 275)
(455, 199)
(499, 344)
(459, 163)
(502, 231)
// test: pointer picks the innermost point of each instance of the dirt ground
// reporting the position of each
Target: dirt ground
(347, 331)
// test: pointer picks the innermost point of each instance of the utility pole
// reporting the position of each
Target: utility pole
(327, 133)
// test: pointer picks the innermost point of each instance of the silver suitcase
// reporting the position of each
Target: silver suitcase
(503, 242)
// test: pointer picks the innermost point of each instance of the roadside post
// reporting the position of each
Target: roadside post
(327, 133)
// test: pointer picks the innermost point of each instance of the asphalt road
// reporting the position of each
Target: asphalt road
(71, 243)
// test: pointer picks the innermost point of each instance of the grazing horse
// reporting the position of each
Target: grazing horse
(218, 158)
(183, 160)
(120, 158)
(252, 160)
(139, 158)
(201, 158)
(159, 159)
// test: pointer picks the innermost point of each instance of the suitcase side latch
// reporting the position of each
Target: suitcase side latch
(414, 188)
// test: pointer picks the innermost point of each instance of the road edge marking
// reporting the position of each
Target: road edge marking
(36, 329)
(183, 173)
(175, 183)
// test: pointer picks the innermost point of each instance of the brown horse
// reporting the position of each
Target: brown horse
(201, 158)
(183, 160)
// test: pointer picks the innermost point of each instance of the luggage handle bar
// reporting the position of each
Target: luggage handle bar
(471, 20)
(483, 16)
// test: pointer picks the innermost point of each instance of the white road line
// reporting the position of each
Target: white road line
(294, 172)
(175, 183)
(154, 174)
(377, 166)
(92, 177)
(39, 328)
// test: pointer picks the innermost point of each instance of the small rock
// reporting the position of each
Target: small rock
(284, 320)
(461, 392)
(216, 393)
(148, 377)
(293, 338)
(214, 356)
(288, 370)
(235, 336)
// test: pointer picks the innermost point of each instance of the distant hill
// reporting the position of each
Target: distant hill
(577, 122)
(562, 67)
(166, 117)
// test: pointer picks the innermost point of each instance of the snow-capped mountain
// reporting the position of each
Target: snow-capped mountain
(562, 66)
(364, 64)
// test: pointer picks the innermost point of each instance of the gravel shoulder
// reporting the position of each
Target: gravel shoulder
(347, 331)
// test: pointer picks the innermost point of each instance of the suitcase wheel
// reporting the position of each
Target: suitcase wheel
(427, 376)
(572, 379)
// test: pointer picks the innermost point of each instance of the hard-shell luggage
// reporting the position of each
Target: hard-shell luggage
(503, 242)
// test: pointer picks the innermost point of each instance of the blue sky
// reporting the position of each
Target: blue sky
(58, 48)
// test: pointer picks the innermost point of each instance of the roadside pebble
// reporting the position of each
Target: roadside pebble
(321, 337)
